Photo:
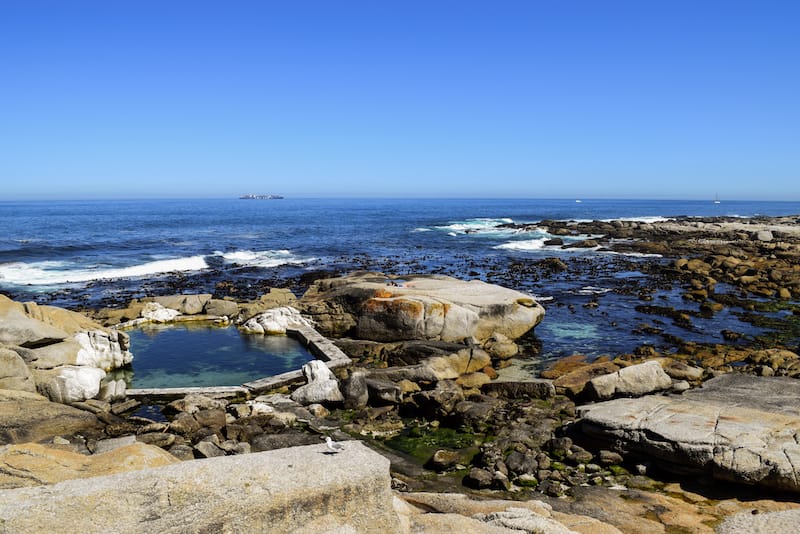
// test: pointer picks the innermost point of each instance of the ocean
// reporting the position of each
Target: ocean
(91, 253)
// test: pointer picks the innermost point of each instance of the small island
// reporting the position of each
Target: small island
(260, 197)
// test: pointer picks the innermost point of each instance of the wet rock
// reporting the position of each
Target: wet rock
(479, 478)
(443, 459)
(533, 388)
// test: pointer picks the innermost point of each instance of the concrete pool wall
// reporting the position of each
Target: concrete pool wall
(318, 345)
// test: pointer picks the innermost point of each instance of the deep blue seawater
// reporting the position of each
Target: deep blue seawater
(74, 253)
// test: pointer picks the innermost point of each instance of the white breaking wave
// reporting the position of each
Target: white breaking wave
(477, 225)
(592, 290)
(650, 219)
(417, 230)
(530, 244)
(262, 258)
(56, 272)
(634, 254)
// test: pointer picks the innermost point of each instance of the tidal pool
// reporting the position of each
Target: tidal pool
(201, 355)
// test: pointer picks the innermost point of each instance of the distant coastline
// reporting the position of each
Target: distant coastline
(261, 197)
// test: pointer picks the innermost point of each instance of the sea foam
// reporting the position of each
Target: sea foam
(529, 244)
(261, 258)
(56, 272)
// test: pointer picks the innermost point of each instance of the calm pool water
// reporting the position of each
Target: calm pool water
(203, 355)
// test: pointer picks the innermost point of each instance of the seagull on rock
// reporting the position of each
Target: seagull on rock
(333, 446)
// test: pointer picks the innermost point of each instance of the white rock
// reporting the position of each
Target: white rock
(157, 313)
(275, 321)
(322, 385)
(102, 350)
(70, 383)
(634, 381)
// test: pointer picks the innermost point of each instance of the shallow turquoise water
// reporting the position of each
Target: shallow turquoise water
(203, 355)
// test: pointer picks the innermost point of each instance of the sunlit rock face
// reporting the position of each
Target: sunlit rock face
(374, 307)
(66, 353)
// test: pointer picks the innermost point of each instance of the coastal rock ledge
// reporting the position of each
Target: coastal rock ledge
(376, 307)
(735, 428)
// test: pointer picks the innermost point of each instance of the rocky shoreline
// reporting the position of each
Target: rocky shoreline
(623, 438)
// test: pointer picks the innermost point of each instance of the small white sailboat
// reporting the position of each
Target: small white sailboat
(716, 199)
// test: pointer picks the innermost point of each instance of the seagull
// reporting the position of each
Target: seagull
(333, 446)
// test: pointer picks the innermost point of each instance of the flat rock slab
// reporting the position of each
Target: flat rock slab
(736, 427)
(303, 489)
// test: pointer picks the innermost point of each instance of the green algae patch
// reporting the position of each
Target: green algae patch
(422, 443)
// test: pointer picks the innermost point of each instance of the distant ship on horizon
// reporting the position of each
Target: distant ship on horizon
(260, 197)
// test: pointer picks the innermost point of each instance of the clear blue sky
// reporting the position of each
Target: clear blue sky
(540, 99)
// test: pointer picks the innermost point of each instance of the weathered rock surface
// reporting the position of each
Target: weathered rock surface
(66, 353)
(28, 417)
(68, 384)
(275, 321)
(493, 516)
(185, 304)
(14, 374)
(736, 428)
(221, 308)
(633, 381)
(370, 306)
(322, 385)
(271, 491)
(158, 313)
(31, 464)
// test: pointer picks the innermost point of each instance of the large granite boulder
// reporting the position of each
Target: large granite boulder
(301, 489)
(736, 428)
(372, 306)
(28, 417)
